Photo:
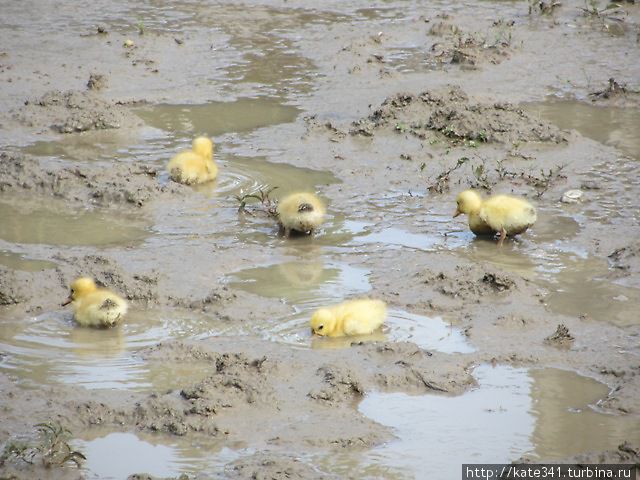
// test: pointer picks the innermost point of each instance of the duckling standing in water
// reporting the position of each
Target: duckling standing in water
(354, 317)
(196, 165)
(300, 212)
(93, 306)
(501, 214)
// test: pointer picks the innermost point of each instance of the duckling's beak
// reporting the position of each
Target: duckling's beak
(67, 302)
(456, 213)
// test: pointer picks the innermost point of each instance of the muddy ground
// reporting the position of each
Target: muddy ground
(387, 110)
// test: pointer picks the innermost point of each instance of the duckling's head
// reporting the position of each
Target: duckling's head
(468, 202)
(203, 146)
(323, 322)
(79, 288)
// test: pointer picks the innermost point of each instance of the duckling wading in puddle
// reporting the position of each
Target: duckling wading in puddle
(300, 212)
(354, 317)
(194, 166)
(502, 214)
(93, 306)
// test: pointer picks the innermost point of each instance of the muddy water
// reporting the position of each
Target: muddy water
(515, 412)
(308, 285)
(157, 456)
(257, 76)
(28, 223)
(576, 281)
(216, 118)
(617, 127)
(51, 349)
(168, 128)
(17, 261)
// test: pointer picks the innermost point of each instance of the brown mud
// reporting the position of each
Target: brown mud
(386, 109)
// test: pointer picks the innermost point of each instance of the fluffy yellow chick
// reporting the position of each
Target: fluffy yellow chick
(354, 317)
(196, 165)
(300, 212)
(471, 202)
(93, 306)
(501, 214)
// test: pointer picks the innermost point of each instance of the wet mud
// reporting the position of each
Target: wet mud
(387, 110)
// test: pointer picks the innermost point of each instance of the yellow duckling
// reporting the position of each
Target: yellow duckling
(93, 306)
(300, 212)
(501, 214)
(196, 165)
(354, 317)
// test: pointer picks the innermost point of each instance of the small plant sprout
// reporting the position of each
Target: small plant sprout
(50, 448)
(441, 183)
(543, 182)
(480, 174)
(267, 204)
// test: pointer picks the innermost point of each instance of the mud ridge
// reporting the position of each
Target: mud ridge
(452, 114)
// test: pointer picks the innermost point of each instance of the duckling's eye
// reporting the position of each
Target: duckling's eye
(320, 327)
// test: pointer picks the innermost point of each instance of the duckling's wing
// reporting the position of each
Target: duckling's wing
(108, 304)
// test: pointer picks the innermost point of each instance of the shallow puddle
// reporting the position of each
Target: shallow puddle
(547, 254)
(617, 127)
(429, 333)
(154, 455)
(51, 349)
(216, 118)
(577, 291)
(93, 146)
(248, 175)
(540, 414)
(310, 284)
(30, 223)
(303, 283)
(17, 261)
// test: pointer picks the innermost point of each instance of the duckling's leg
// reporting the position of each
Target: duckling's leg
(287, 232)
(503, 235)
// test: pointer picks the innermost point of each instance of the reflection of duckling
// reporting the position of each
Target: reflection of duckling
(93, 306)
(300, 212)
(91, 343)
(302, 274)
(195, 165)
(346, 342)
(501, 214)
(355, 317)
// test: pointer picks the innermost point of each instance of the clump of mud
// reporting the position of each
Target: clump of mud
(268, 466)
(625, 453)
(96, 81)
(560, 338)
(90, 184)
(70, 112)
(108, 273)
(463, 285)
(625, 262)
(452, 114)
(11, 288)
(471, 49)
(237, 380)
